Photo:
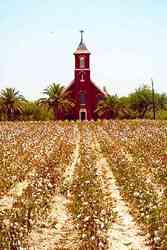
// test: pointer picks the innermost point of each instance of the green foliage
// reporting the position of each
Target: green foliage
(34, 112)
(11, 103)
(138, 104)
(162, 114)
(57, 99)
(141, 101)
(112, 107)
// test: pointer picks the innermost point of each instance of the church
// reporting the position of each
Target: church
(82, 89)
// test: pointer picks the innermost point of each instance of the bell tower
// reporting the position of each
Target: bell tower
(82, 80)
(82, 63)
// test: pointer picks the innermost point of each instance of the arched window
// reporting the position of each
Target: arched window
(82, 98)
(82, 62)
(82, 77)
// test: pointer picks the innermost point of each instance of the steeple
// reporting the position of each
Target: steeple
(82, 31)
(82, 47)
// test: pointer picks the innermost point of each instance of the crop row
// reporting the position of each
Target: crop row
(21, 152)
(90, 206)
(43, 169)
(147, 206)
(146, 142)
(35, 161)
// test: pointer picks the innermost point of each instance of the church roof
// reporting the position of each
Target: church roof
(91, 82)
(82, 49)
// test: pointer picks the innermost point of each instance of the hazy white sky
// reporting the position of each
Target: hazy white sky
(127, 40)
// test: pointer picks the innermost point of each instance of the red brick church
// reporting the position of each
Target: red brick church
(85, 93)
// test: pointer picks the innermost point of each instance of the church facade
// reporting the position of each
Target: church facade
(82, 89)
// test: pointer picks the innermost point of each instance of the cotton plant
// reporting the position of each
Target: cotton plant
(38, 171)
(132, 174)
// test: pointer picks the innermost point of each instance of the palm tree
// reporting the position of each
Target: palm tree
(57, 99)
(35, 112)
(11, 103)
(110, 107)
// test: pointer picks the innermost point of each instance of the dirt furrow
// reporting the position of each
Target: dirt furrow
(89, 205)
(58, 227)
(123, 234)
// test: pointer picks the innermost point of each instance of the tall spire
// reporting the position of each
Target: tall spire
(82, 31)
(82, 47)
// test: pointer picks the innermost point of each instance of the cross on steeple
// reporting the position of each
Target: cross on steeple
(82, 46)
(82, 31)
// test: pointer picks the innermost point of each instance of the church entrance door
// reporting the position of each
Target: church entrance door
(83, 115)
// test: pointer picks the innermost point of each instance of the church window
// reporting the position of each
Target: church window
(82, 77)
(82, 98)
(82, 62)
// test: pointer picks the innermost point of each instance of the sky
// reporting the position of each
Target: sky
(127, 40)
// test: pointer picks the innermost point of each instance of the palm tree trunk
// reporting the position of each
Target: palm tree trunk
(8, 112)
(12, 115)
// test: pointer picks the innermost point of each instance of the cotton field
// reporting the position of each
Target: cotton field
(83, 185)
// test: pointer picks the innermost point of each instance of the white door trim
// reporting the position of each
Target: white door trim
(83, 110)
